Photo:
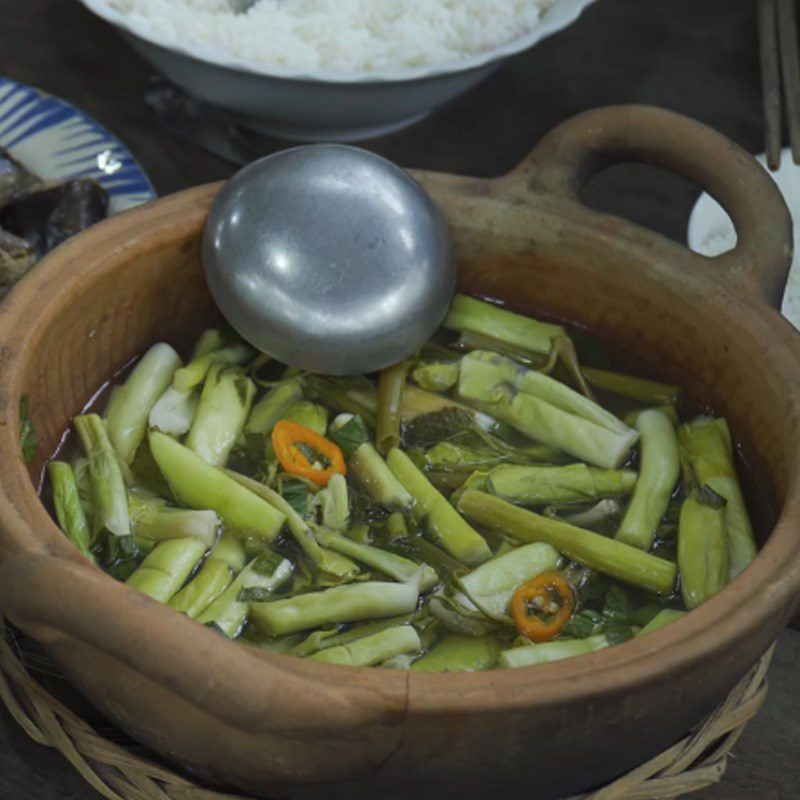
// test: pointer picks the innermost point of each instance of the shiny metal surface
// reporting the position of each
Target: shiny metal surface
(329, 258)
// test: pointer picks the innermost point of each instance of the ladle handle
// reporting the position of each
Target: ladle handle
(580, 148)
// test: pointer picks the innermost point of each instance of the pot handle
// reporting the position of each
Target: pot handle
(585, 145)
(63, 603)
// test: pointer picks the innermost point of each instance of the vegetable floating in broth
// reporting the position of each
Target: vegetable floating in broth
(474, 507)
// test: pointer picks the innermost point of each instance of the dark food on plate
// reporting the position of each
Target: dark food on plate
(491, 502)
(35, 217)
(47, 217)
(15, 180)
(17, 256)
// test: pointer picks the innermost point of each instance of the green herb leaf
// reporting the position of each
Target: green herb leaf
(616, 612)
(429, 429)
(363, 506)
(27, 434)
(255, 594)
(618, 632)
(295, 493)
(146, 473)
(119, 555)
(590, 587)
(616, 605)
(122, 570)
(351, 435)
(267, 562)
(312, 455)
(458, 444)
(114, 548)
(584, 624)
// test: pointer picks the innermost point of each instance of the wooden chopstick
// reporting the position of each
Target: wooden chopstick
(790, 63)
(770, 79)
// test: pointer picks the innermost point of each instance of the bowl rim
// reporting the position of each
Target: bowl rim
(768, 584)
(559, 15)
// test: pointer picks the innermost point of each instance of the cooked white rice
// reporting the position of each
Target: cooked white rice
(348, 35)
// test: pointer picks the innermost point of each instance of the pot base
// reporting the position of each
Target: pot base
(715, 736)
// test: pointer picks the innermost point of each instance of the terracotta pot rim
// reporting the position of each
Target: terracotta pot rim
(646, 658)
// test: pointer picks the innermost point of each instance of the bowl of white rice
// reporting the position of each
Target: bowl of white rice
(334, 70)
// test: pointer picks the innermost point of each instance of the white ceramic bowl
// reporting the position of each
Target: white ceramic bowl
(711, 231)
(322, 105)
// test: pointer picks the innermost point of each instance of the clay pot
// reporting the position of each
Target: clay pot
(269, 724)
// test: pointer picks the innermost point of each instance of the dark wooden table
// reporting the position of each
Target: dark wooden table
(698, 57)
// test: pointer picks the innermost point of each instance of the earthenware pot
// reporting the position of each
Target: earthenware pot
(272, 725)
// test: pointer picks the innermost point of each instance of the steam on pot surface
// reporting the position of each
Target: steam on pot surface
(501, 499)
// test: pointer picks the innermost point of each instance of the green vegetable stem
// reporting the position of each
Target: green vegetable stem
(442, 521)
(109, 500)
(608, 556)
(130, 404)
(659, 474)
(69, 511)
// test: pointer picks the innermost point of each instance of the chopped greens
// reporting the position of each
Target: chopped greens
(480, 505)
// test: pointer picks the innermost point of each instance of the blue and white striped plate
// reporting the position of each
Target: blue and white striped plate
(57, 141)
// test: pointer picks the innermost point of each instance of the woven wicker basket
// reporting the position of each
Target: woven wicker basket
(116, 772)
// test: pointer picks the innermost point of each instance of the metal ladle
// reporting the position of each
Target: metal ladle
(329, 258)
